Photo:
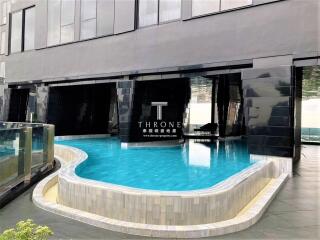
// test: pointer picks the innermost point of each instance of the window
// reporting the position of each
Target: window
(3, 43)
(2, 69)
(61, 15)
(201, 7)
(151, 12)
(16, 32)
(29, 25)
(22, 30)
(148, 12)
(53, 22)
(169, 10)
(4, 11)
(88, 19)
(229, 4)
(67, 20)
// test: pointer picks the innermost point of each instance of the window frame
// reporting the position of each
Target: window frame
(158, 16)
(88, 20)
(23, 13)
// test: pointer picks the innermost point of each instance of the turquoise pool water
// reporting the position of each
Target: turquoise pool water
(190, 166)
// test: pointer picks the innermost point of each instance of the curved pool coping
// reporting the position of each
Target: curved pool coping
(236, 223)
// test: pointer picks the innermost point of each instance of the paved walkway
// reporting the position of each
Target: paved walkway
(294, 213)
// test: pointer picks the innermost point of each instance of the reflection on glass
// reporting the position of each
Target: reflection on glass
(148, 12)
(29, 28)
(200, 104)
(169, 10)
(201, 7)
(16, 32)
(9, 151)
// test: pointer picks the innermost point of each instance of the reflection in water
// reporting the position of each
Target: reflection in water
(199, 155)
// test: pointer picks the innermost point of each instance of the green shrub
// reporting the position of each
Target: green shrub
(27, 230)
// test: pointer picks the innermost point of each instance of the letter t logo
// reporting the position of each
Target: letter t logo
(159, 106)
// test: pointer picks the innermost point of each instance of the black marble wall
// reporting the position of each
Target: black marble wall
(18, 107)
(125, 90)
(134, 106)
(82, 109)
(269, 110)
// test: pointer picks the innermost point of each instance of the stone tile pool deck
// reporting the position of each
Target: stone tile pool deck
(293, 214)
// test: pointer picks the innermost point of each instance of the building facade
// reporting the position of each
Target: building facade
(144, 69)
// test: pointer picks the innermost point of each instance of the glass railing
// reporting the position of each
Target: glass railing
(25, 149)
(310, 135)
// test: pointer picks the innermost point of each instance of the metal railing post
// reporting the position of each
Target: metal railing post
(25, 154)
(48, 144)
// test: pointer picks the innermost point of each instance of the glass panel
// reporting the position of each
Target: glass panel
(170, 10)
(200, 7)
(29, 28)
(4, 12)
(229, 4)
(67, 33)
(200, 104)
(16, 32)
(67, 12)
(88, 9)
(88, 29)
(53, 22)
(310, 112)
(148, 12)
(37, 147)
(9, 152)
(3, 43)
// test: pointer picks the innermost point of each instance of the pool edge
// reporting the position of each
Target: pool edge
(237, 223)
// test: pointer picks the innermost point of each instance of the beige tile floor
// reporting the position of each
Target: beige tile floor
(294, 213)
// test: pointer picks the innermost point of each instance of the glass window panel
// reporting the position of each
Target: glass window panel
(88, 9)
(4, 12)
(67, 33)
(53, 22)
(88, 29)
(229, 4)
(67, 12)
(169, 10)
(148, 12)
(16, 31)
(200, 7)
(29, 28)
(3, 43)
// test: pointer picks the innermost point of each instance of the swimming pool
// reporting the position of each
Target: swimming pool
(191, 166)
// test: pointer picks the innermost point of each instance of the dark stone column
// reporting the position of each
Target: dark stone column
(269, 110)
(42, 95)
(298, 77)
(125, 92)
(4, 101)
